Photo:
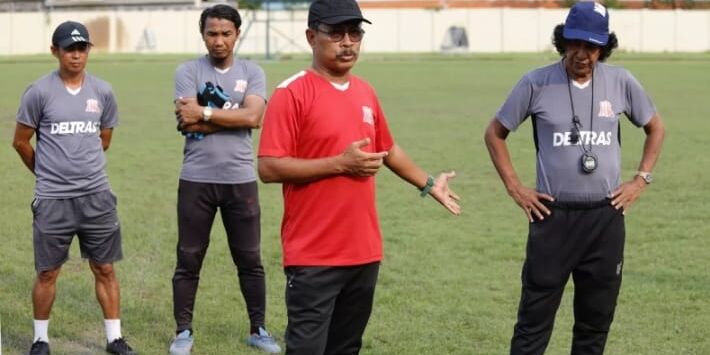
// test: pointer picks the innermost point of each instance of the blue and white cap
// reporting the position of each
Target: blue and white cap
(587, 21)
(68, 33)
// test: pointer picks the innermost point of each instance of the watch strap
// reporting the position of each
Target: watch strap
(645, 175)
(424, 191)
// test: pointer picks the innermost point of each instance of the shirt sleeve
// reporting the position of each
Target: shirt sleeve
(109, 117)
(30, 111)
(185, 81)
(639, 107)
(516, 107)
(279, 135)
(257, 82)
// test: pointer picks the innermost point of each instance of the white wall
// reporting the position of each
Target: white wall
(407, 30)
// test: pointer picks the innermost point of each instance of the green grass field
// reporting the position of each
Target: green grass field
(447, 285)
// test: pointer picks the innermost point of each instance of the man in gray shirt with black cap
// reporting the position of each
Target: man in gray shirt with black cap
(73, 114)
(576, 212)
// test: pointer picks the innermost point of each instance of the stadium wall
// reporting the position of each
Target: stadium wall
(489, 30)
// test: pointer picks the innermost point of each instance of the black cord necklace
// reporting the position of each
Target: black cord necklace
(589, 159)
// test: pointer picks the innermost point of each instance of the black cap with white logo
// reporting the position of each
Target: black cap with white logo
(68, 33)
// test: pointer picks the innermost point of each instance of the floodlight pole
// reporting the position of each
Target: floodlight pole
(268, 29)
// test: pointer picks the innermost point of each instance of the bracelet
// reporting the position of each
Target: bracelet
(425, 190)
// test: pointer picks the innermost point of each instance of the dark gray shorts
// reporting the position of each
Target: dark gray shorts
(92, 218)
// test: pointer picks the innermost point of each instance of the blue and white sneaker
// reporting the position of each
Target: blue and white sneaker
(264, 341)
(182, 344)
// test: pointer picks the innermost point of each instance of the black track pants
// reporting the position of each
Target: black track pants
(328, 308)
(239, 207)
(586, 241)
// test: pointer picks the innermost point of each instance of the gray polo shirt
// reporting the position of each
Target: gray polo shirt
(543, 94)
(69, 157)
(224, 157)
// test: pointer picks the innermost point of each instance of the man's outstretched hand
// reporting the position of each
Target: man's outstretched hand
(442, 193)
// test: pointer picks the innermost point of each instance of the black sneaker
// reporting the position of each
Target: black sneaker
(39, 348)
(120, 347)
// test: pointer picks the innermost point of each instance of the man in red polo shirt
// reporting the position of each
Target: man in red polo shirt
(325, 137)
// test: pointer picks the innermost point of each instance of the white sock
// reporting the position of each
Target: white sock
(113, 329)
(41, 330)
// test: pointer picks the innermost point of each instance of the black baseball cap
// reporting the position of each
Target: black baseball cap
(68, 33)
(333, 12)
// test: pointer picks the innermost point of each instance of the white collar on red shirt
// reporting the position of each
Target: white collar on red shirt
(341, 87)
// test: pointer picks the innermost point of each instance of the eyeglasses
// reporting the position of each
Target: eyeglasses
(338, 34)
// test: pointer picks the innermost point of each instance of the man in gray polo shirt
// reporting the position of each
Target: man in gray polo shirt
(576, 211)
(219, 99)
(73, 114)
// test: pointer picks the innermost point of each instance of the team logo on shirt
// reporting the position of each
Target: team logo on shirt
(92, 105)
(562, 139)
(367, 115)
(605, 109)
(74, 127)
(240, 86)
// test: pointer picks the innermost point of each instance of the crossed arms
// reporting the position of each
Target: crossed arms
(189, 115)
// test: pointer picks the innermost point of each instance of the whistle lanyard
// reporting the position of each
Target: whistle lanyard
(575, 119)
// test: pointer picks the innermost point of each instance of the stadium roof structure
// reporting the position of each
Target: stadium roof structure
(443, 4)
(99, 3)
(21, 5)
(37, 5)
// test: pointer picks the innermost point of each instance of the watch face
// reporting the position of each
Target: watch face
(648, 178)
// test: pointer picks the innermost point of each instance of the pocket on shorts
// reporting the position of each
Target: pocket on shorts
(114, 198)
(106, 200)
(33, 205)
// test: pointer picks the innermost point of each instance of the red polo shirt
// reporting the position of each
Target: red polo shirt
(331, 221)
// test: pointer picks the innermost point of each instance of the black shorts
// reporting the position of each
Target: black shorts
(92, 218)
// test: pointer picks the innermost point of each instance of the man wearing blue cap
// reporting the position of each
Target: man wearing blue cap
(325, 137)
(576, 212)
(73, 115)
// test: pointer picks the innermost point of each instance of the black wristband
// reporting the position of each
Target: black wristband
(424, 191)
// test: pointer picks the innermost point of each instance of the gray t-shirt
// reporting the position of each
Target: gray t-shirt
(69, 157)
(224, 157)
(543, 94)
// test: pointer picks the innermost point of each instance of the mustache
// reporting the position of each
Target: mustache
(346, 52)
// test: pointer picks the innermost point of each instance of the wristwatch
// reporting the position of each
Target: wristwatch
(206, 113)
(646, 176)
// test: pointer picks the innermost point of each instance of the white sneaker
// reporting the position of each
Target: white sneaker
(264, 342)
(182, 344)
